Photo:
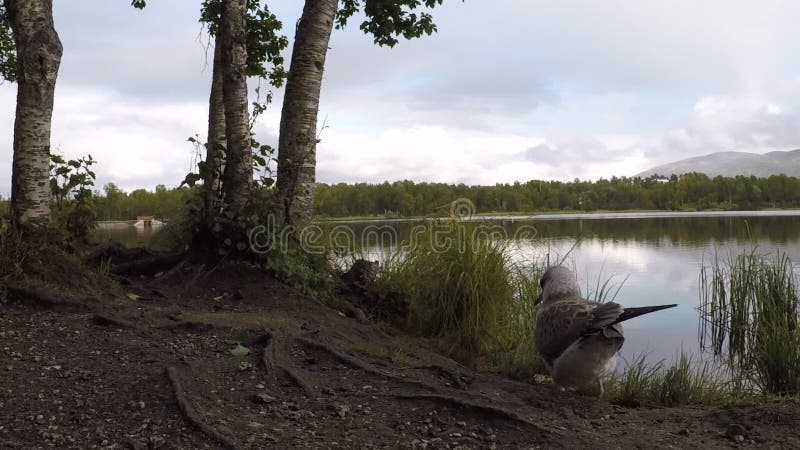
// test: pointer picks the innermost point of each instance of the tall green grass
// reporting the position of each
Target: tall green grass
(515, 351)
(459, 287)
(463, 289)
(684, 380)
(750, 305)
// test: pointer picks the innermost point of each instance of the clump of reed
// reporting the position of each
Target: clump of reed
(750, 308)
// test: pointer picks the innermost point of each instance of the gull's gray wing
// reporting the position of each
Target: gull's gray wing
(561, 323)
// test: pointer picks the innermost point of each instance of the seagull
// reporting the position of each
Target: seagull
(577, 338)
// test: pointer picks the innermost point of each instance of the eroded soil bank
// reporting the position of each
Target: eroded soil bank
(108, 371)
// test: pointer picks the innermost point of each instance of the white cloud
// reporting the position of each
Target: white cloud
(136, 143)
(429, 153)
(727, 123)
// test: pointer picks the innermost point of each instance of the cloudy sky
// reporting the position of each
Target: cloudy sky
(507, 90)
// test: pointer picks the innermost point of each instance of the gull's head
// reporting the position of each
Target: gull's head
(558, 283)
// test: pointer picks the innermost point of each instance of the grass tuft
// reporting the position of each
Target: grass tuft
(462, 291)
(516, 353)
(461, 288)
(683, 381)
(750, 307)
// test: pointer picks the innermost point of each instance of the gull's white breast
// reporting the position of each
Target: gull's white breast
(585, 360)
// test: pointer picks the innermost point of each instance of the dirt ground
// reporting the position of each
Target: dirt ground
(156, 370)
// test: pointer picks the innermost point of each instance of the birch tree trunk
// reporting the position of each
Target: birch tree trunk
(298, 140)
(215, 141)
(237, 181)
(38, 58)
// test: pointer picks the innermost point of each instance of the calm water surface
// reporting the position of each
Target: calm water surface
(661, 254)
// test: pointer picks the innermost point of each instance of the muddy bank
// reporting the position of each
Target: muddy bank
(234, 359)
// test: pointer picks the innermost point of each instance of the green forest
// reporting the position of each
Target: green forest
(690, 192)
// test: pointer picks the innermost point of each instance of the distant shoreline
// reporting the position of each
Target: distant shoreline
(555, 215)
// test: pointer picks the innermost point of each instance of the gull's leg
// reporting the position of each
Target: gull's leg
(600, 386)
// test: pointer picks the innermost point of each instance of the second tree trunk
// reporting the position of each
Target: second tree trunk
(298, 130)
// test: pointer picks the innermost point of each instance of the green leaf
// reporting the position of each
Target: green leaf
(190, 180)
(240, 351)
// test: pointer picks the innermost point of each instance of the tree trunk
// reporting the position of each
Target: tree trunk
(298, 139)
(237, 180)
(215, 142)
(38, 58)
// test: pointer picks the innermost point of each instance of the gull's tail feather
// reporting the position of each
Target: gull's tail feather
(630, 313)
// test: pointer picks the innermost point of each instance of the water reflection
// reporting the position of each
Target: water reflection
(125, 233)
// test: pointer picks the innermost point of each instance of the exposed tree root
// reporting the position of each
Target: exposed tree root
(437, 393)
(357, 363)
(175, 269)
(197, 275)
(455, 401)
(43, 298)
(271, 360)
(132, 261)
(186, 325)
(105, 320)
(268, 356)
(343, 357)
(191, 415)
(298, 380)
(356, 313)
(460, 381)
(148, 265)
(114, 250)
(122, 281)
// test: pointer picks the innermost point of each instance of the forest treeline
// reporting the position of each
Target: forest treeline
(114, 203)
(688, 192)
(693, 191)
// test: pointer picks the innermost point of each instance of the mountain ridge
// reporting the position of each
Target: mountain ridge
(731, 164)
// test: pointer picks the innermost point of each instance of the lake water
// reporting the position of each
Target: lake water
(124, 232)
(658, 255)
